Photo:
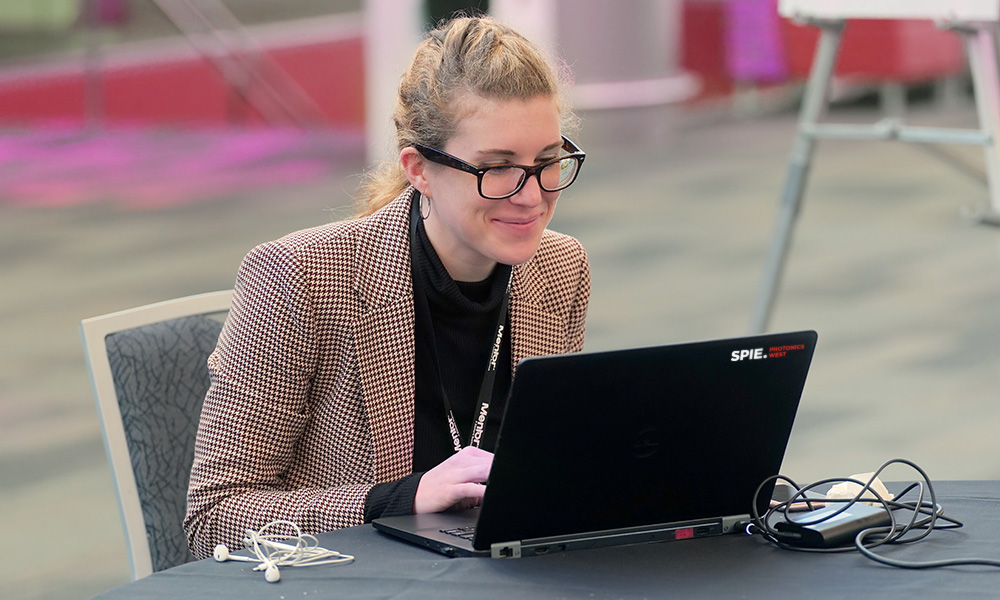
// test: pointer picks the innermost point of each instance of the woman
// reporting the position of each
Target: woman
(363, 367)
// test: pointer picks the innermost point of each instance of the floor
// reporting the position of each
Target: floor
(904, 292)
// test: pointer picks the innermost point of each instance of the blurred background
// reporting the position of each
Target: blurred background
(147, 145)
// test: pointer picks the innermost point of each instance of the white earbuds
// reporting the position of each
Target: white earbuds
(269, 552)
(222, 554)
(271, 574)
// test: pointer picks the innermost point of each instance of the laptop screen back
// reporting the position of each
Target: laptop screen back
(643, 436)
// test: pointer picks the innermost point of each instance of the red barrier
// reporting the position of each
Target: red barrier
(904, 51)
(178, 87)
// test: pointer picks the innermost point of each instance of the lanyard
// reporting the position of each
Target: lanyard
(486, 388)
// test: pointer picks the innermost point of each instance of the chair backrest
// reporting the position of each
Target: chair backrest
(939, 10)
(148, 367)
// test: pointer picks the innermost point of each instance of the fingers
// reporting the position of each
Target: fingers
(457, 481)
(472, 451)
(471, 491)
(467, 465)
(471, 456)
(472, 497)
(478, 473)
(466, 495)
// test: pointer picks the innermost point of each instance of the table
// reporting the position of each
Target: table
(733, 566)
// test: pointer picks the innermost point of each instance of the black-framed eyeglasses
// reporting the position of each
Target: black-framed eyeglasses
(503, 181)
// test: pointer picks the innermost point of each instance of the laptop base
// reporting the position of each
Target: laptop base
(616, 537)
(436, 537)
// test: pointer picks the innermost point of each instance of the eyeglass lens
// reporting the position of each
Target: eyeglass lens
(504, 181)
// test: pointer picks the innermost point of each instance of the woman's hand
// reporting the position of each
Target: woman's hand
(455, 483)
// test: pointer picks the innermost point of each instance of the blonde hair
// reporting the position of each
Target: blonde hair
(467, 55)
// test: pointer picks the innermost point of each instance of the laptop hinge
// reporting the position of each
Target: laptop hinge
(505, 550)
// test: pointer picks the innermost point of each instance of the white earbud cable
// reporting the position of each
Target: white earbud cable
(273, 550)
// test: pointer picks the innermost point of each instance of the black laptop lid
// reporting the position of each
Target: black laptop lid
(642, 436)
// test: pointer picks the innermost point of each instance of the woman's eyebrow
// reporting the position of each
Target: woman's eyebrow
(504, 152)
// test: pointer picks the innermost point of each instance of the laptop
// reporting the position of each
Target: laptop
(629, 446)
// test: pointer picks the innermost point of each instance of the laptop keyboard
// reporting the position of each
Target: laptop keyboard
(466, 533)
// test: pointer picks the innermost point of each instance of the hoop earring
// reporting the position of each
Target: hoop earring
(424, 214)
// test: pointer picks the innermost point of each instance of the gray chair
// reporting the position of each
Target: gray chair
(149, 374)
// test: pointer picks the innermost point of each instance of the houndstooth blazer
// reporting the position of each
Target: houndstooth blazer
(312, 394)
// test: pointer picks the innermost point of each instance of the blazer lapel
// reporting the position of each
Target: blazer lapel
(384, 338)
(535, 331)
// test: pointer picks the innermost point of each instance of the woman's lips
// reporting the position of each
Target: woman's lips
(518, 223)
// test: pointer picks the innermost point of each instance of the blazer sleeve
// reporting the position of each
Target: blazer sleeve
(256, 410)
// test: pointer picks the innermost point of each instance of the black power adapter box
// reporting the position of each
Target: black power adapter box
(824, 528)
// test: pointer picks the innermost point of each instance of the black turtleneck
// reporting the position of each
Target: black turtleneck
(456, 323)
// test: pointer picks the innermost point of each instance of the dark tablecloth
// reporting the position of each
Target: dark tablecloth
(732, 566)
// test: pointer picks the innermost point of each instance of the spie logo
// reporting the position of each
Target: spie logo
(755, 354)
(758, 353)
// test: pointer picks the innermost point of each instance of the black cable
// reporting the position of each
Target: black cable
(896, 532)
